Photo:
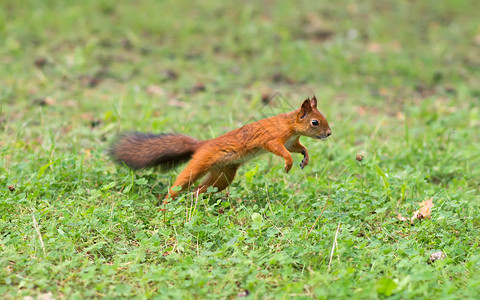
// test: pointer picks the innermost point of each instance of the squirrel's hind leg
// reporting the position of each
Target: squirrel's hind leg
(194, 171)
(219, 178)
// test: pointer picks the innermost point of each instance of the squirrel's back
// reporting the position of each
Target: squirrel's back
(145, 150)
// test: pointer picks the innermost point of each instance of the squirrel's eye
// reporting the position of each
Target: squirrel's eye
(314, 122)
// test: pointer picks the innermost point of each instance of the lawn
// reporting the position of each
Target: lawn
(398, 81)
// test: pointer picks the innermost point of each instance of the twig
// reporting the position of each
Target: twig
(37, 229)
(153, 187)
(187, 207)
(205, 205)
(318, 218)
(194, 208)
(333, 247)
(321, 214)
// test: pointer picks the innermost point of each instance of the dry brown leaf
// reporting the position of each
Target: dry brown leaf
(426, 207)
(424, 212)
(416, 216)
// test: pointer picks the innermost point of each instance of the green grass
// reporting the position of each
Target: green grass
(398, 81)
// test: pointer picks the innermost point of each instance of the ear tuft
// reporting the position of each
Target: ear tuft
(313, 102)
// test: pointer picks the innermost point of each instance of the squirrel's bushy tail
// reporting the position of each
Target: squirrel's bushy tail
(145, 150)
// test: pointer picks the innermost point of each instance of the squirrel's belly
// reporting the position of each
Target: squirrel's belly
(240, 159)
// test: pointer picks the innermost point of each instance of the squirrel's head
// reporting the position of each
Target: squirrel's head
(310, 122)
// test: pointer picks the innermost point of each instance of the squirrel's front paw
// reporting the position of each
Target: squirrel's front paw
(304, 162)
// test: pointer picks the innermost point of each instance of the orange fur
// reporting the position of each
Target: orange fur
(220, 158)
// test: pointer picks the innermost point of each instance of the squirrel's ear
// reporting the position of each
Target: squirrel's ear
(305, 109)
(313, 102)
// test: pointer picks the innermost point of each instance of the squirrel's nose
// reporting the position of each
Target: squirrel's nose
(329, 132)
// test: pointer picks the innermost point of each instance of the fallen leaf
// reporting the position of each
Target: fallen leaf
(426, 207)
(424, 212)
(416, 216)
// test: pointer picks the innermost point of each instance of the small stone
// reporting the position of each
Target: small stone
(437, 256)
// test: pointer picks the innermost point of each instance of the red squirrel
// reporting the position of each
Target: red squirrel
(219, 158)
